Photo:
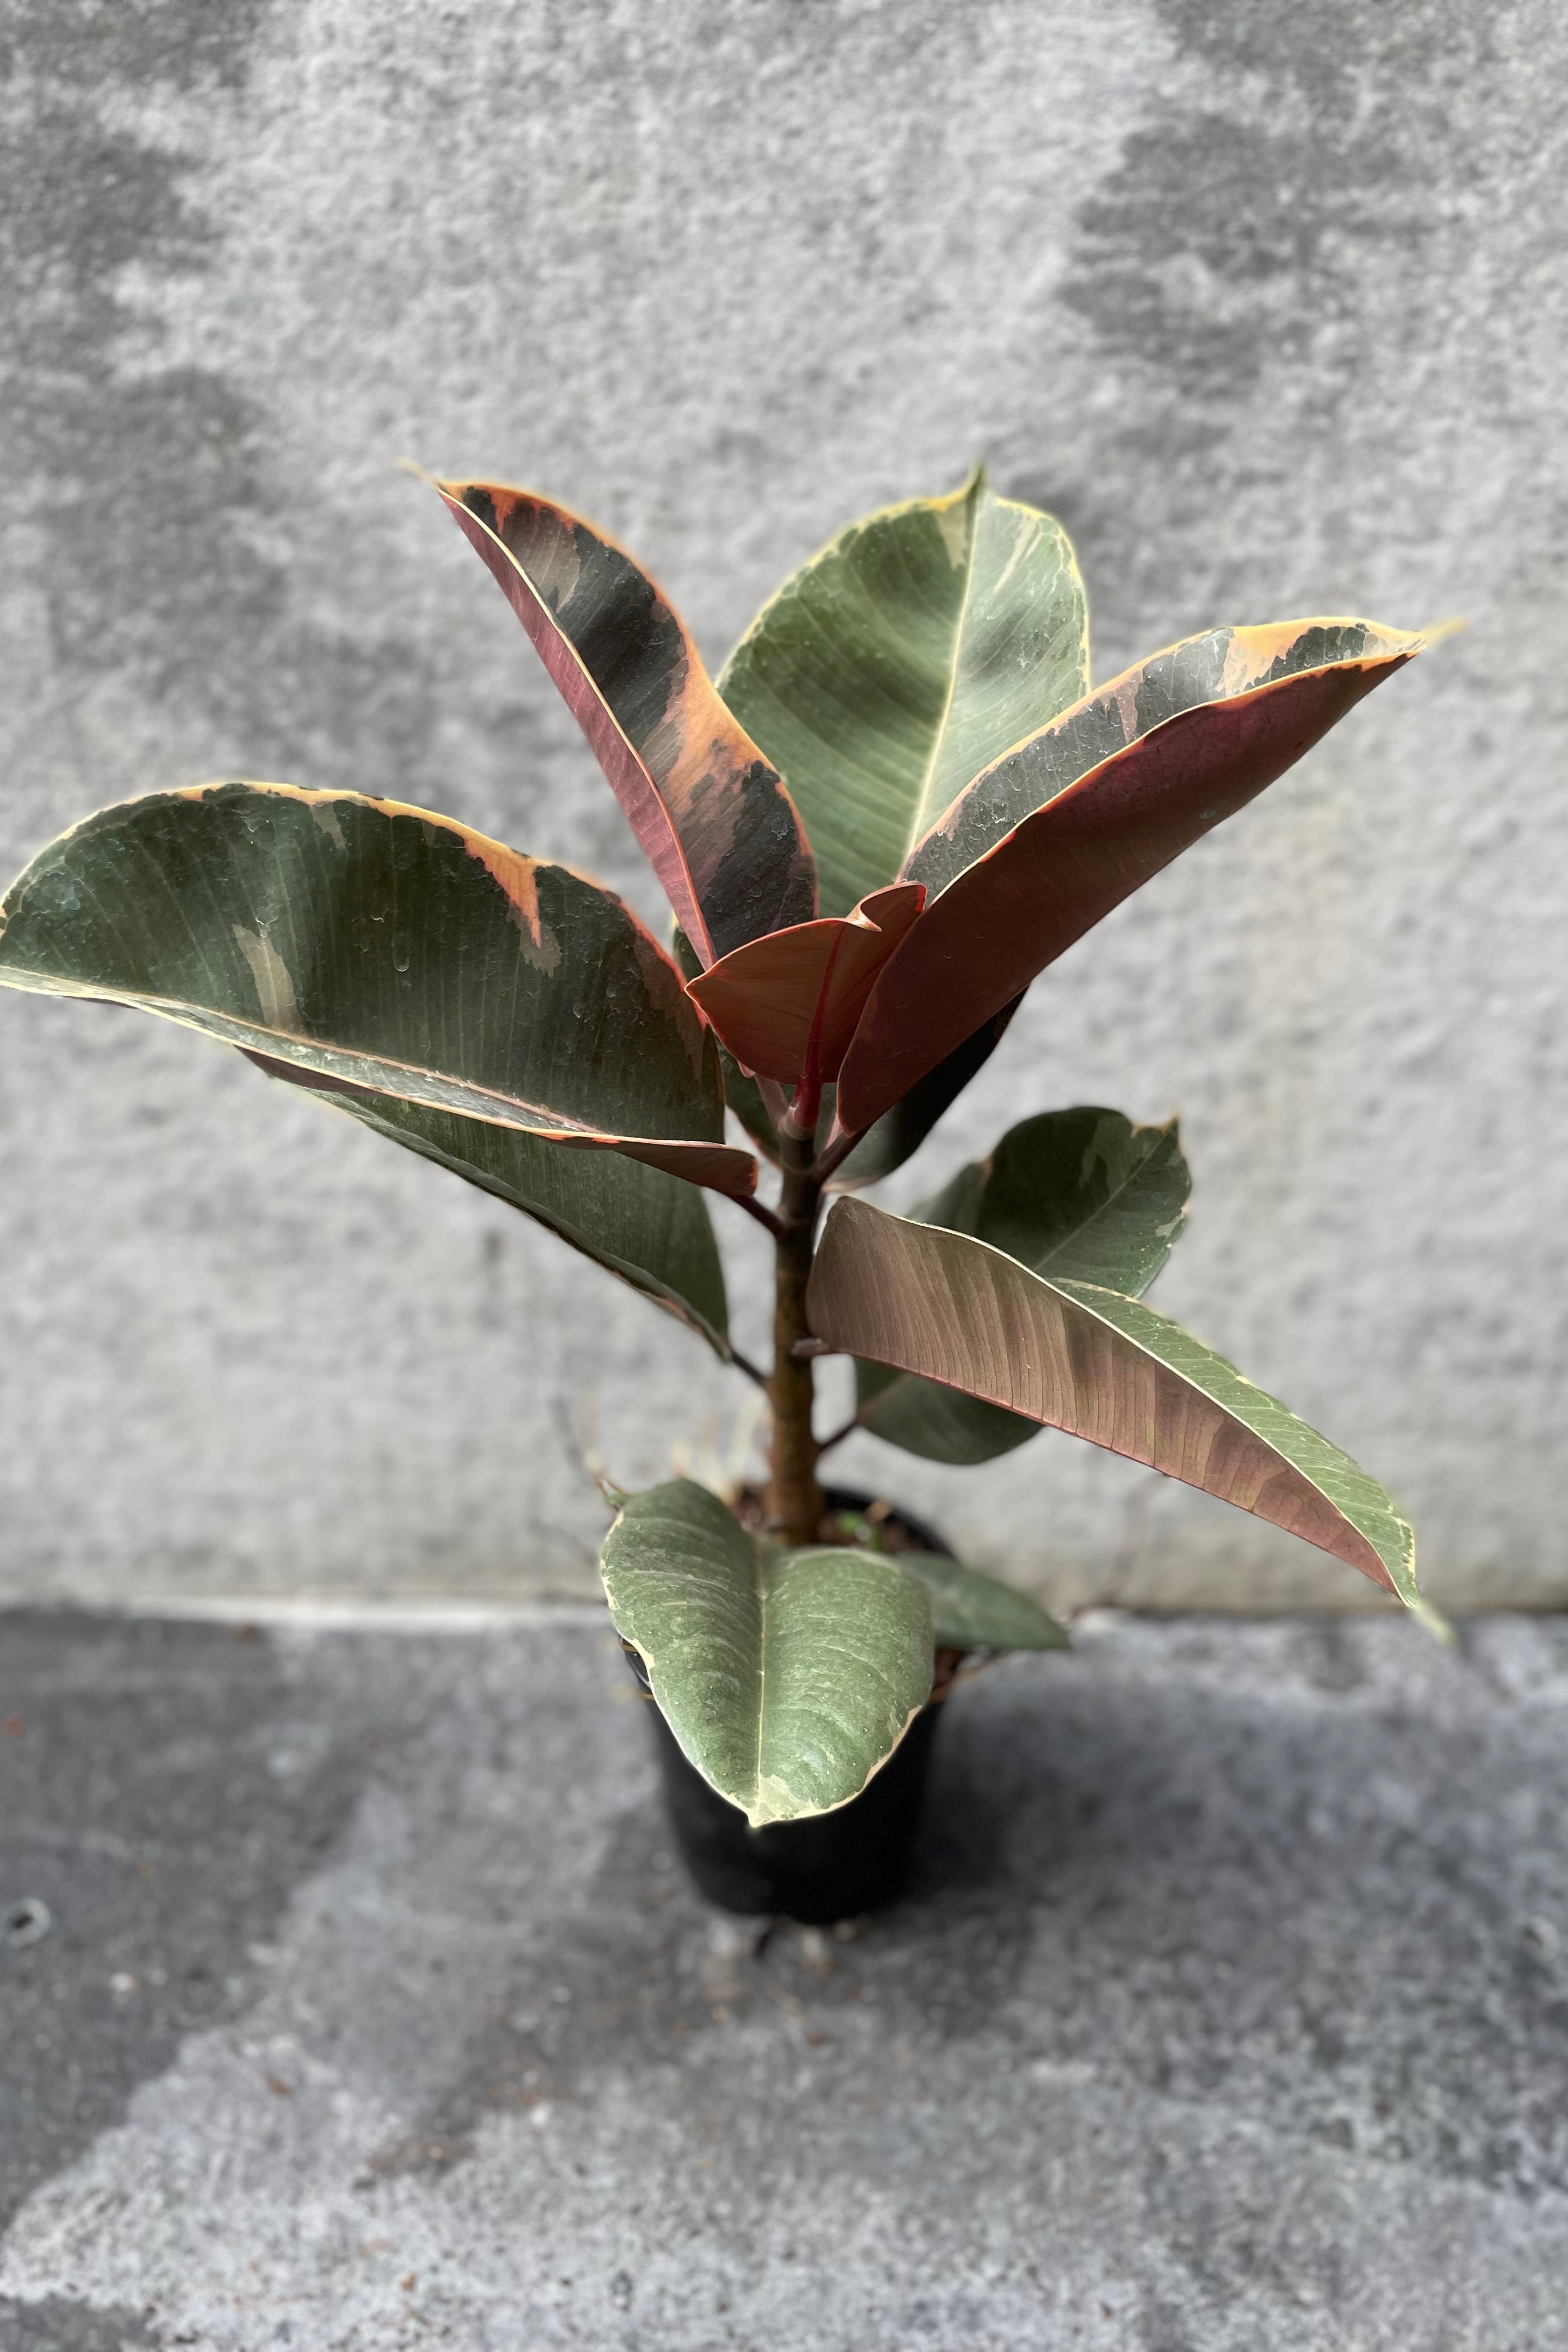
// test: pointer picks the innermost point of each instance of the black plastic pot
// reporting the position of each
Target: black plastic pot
(832, 1866)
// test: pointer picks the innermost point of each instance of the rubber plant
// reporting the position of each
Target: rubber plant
(900, 800)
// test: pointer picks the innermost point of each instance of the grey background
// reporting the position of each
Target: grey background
(1267, 302)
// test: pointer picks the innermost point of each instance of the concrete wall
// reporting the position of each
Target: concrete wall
(1266, 301)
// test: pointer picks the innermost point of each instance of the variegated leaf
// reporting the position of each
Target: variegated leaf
(939, 1424)
(788, 1677)
(1077, 1357)
(1077, 1195)
(891, 669)
(713, 818)
(388, 950)
(1063, 828)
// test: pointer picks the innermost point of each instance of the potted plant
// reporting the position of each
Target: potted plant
(899, 802)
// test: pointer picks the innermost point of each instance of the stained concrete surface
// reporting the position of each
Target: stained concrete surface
(1266, 301)
(1228, 2013)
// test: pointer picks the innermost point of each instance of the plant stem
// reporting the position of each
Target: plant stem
(795, 1499)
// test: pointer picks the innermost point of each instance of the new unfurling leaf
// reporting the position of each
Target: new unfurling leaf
(790, 1003)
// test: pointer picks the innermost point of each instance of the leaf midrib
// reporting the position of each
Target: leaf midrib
(1094, 1217)
(920, 824)
(1071, 1292)
(170, 1009)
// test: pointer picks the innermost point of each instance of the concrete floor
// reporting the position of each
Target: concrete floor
(354, 1998)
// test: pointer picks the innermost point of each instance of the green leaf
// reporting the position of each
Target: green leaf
(711, 814)
(742, 1092)
(648, 1227)
(388, 950)
(901, 660)
(788, 1678)
(1077, 1357)
(971, 1612)
(1080, 1195)
(1064, 827)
